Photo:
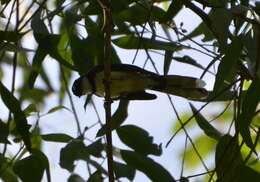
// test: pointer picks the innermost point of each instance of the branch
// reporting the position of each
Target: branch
(107, 31)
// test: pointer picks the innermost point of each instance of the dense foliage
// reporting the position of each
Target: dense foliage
(34, 34)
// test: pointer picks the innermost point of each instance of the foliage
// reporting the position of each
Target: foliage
(35, 35)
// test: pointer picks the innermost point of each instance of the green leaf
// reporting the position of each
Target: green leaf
(76, 150)
(4, 132)
(174, 8)
(221, 19)
(75, 178)
(82, 53)
(208, 129)
(19, 116)
(10, 36)
(30, 109)
(38, 59)
(229, 162)
(57, 137)
(95, 177)
(122, 170)
(138, 139)
(117, 119)
(57, 108)
(167, 61)
(144, 13)
(133, 42)
(154, 171)
(5, 1)
(32, 167)
(249, 105)
(227, 158)
(205, 147)
(35, 95)
(7, 174)
(227, 67)
(188, 60)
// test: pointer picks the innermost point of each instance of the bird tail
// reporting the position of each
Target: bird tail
(188, 87)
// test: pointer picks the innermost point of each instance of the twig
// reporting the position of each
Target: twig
(107, 31)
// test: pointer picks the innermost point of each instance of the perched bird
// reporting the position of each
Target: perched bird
(131, 82)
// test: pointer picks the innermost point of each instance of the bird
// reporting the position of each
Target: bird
(130, 82)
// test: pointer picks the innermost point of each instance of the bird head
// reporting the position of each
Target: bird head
(77, 87)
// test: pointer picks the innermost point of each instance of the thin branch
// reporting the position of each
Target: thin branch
(71, 101)
(107, 31)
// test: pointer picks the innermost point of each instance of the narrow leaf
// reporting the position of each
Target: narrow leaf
(229, 162)
(4, 132)
(118, 117)
(208, 129)
(19, 116)
(57, 137)
(132, 42)
(57, 108)
(167, 61)
(227, 68)
(38, 59)
(153, 170)
(250, 102)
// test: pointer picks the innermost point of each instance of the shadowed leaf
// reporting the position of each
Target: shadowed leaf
(148, 166)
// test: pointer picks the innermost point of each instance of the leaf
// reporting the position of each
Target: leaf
(38, 59)
(4, 132)
(229, 162)
(249, 105)
(167, 61)
(75, 178)
(76, 150)
(133, 42)
(57, 137)
(227, 67)
(117, 119)
(81, 53)
(227, 158)
(188, 60)
(122, 170)
(11, 47)
(32, 167)
(208, 129)
(57, 108)
(138, 139)
(221, 19)
(30, 109)
(174, 8)
(10, 36)
(154, 171)
(19, 116)
(7, 173)
(95, 177)
(144, 13)
(205, 147)
(35, 95)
